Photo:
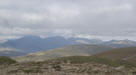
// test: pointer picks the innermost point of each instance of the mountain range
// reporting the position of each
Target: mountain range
(31, 44)
(35, 43)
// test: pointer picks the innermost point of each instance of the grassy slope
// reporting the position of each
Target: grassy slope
(75, 50)
(93, 59)
(126, 54)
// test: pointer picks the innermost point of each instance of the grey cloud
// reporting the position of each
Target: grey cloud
(97, 18)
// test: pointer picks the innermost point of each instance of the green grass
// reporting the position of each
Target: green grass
(94, 59)
(6, 60)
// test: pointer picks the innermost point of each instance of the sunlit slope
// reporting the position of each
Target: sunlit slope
(75, 50)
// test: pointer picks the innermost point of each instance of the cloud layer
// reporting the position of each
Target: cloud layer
(105, 19)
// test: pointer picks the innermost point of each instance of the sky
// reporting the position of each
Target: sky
(102, 19)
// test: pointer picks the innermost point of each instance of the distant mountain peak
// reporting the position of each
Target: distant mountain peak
(122, 41)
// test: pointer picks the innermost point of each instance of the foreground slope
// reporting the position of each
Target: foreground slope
(6, 60)
(127, 54)
(73, 65)
(75, 50)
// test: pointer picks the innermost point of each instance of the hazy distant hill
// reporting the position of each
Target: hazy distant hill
(30, 44)
(35, 43)
(126, 54)
(10, 52)
(75, 50)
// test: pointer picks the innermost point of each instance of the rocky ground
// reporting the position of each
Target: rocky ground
(61, 68)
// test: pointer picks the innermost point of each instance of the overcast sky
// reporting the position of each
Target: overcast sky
(104, 19)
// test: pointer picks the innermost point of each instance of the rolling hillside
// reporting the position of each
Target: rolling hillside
(75, 50)
(126, 54)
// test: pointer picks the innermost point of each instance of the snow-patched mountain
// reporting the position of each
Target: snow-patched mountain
(121, 43)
